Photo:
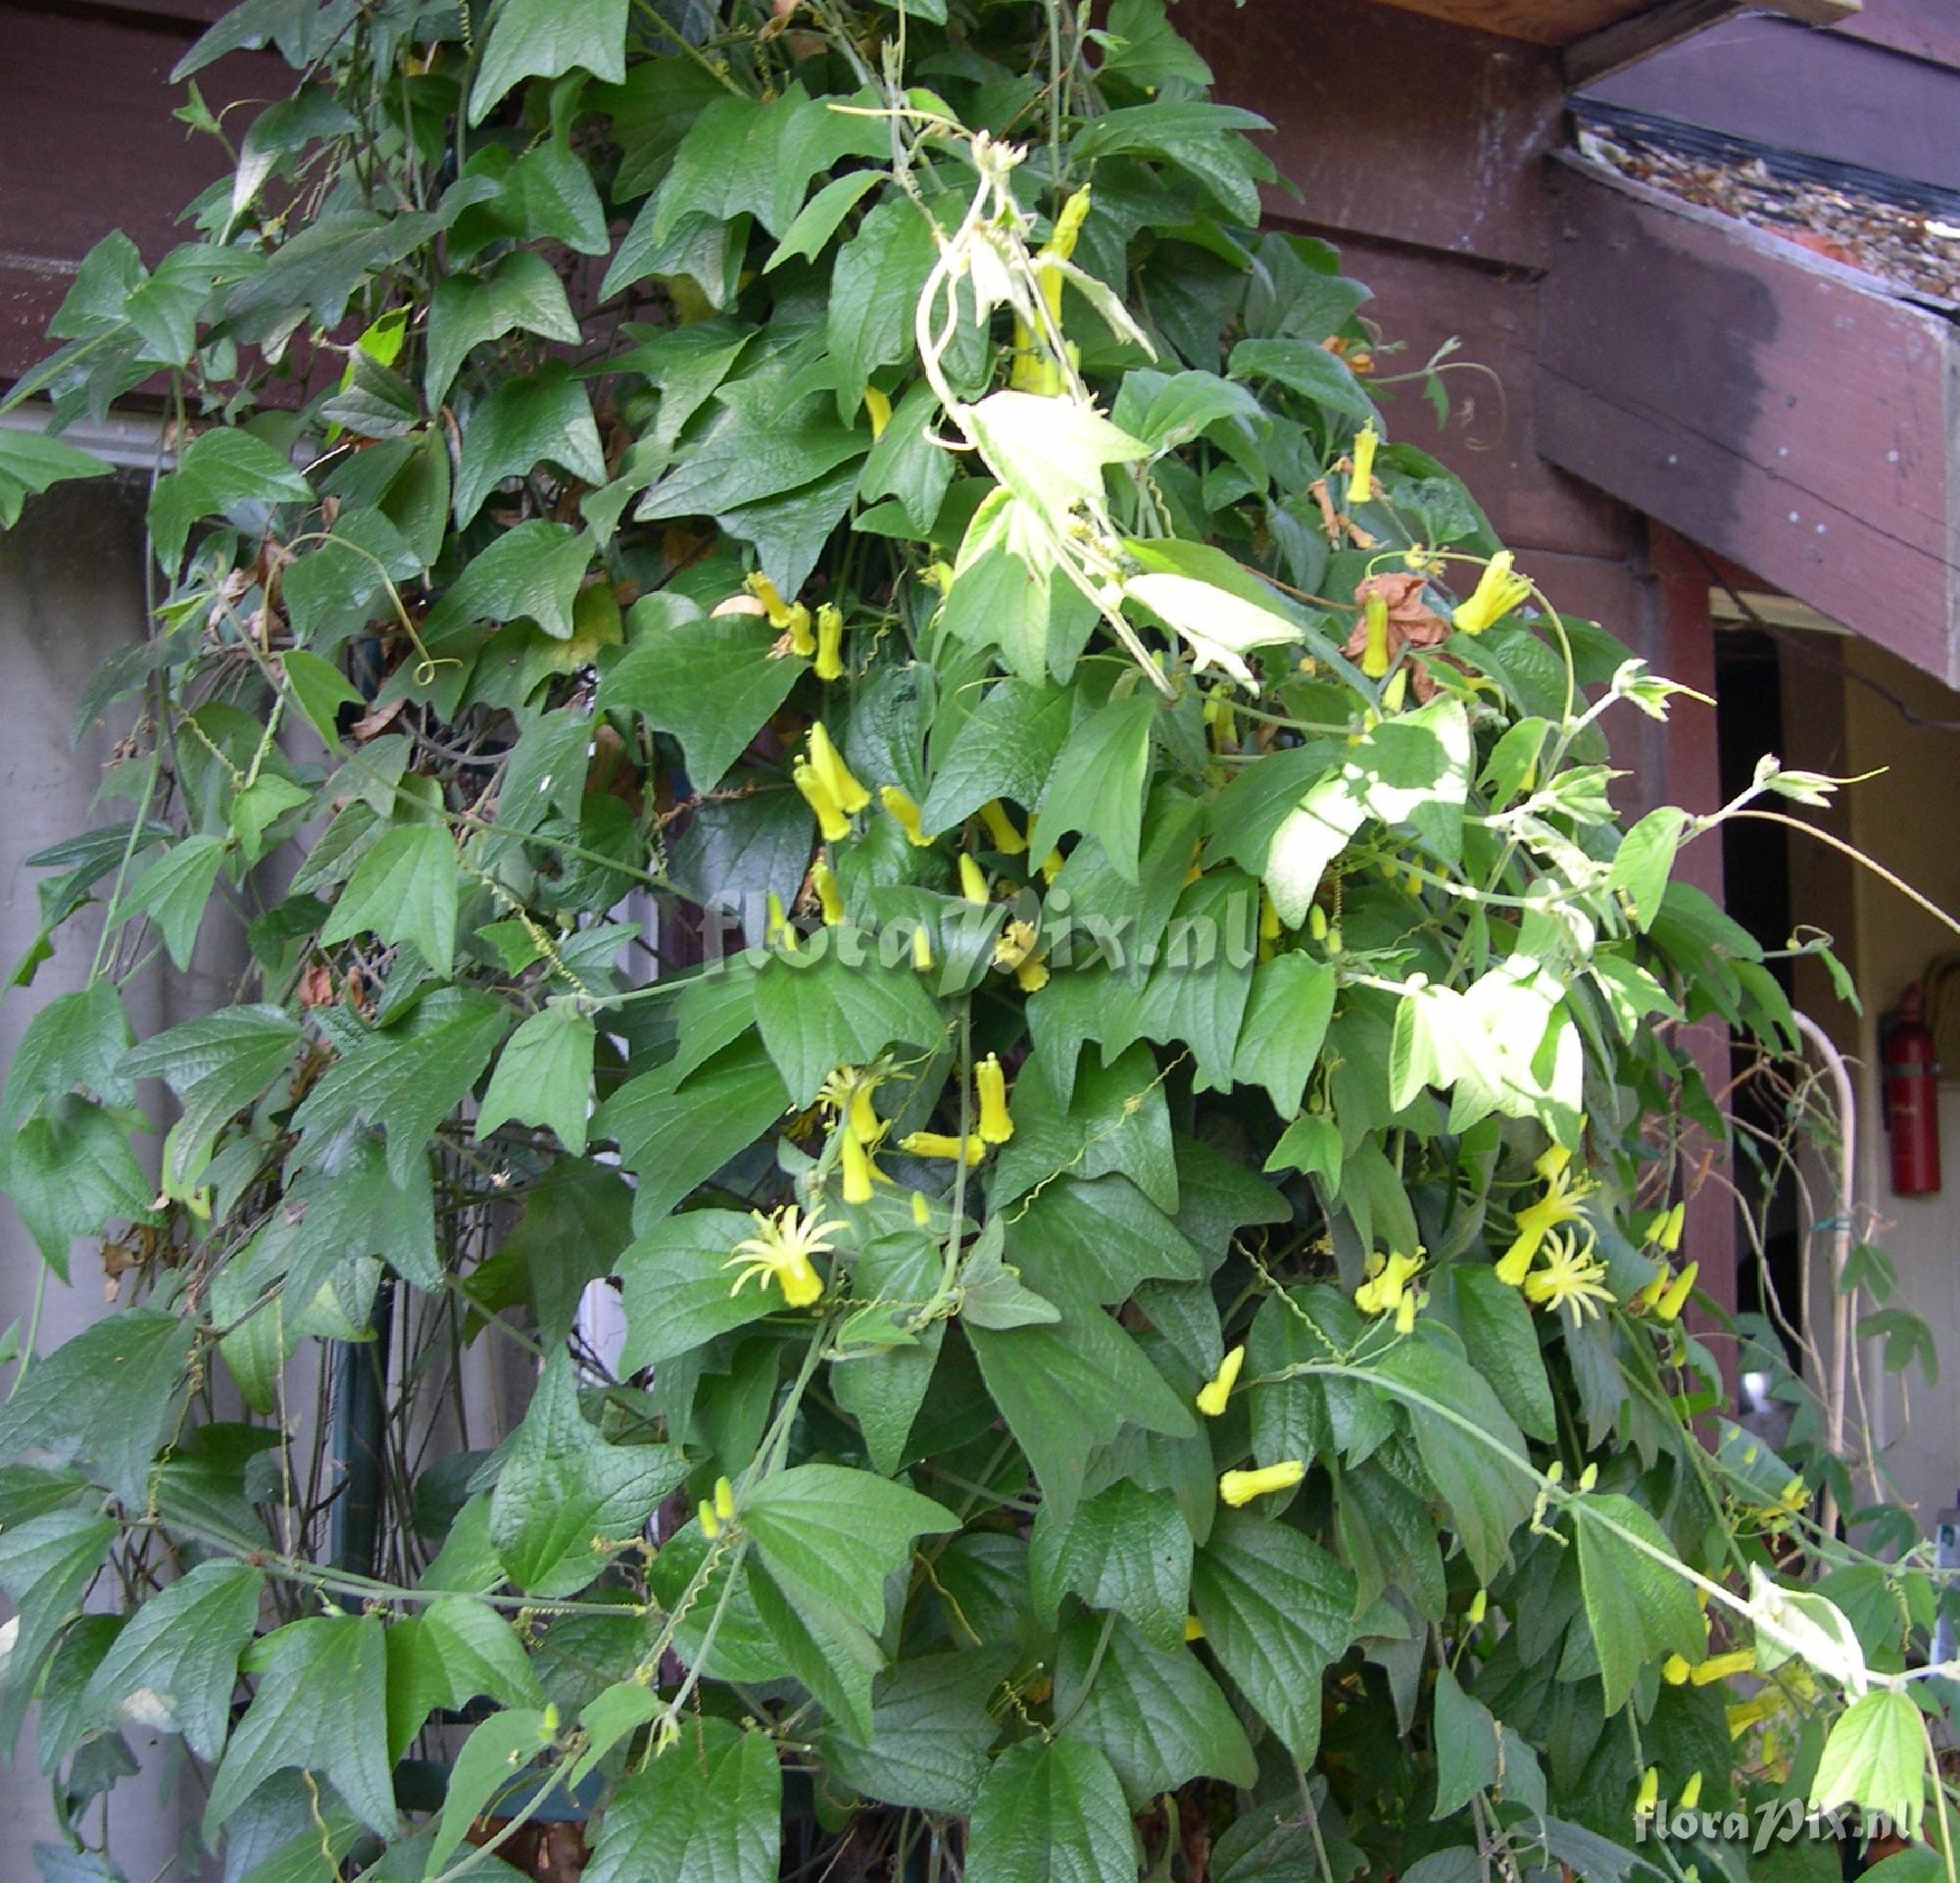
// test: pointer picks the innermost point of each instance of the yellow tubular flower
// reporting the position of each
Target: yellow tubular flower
(996, 1126)
(724, 1499)
(1215, 1391)
(1743, 1660)
(1747, 1713)
(921, 1210)
(1648, 1795)
(942, 1144)
(1375, 650)
(1000, 827)
(902, 807)
(1669, 1233)
(972, 884)
(1238, 1488)
(767, 592)
(1670, 1304)
(828, 764)
(1565, 1192)
(823, 879)
(829, 642)
(862, 1116)
(1690, 1793)
(1675, 1670)
(1650, 1296)
(780, 1251)
(1361, 484)
(830, 818)
(1405, 1313)
(1050, 866)
(856, 1170)
(922, 948)
(1270, 917)
(1496, 593)
(879, 409)
(710, 1524)
(802, 643)
(1571, 1279)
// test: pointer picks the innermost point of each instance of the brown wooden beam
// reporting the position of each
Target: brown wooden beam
(1784, 411)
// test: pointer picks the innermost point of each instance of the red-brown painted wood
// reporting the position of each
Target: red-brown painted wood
(87, 144)
(1391, 125)
(1773, 406)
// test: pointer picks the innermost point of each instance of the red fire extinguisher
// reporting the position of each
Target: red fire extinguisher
(1912, 1101)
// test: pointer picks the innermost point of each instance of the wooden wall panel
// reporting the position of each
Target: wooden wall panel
(1773, 405)
(1393, 125)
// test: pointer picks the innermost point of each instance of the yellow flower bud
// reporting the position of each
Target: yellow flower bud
(1669, 1234)
(1194, 1629)
(879, 409)
(802, 643)
(1675, 1670)
(830, 818)
(1316, 922)
(1213, 1394)
(1670, 1304)
(922, 948)
(1496, 593)
(1361, 484)
(942, 1144)
(921, 1210)
(972, 884)
(1588, 1477)
(710, 1524)
(828, 764)
(1000, 827)
(777, 929)
(1375, 650)
(996, 1126)
(724, 1499)
(902, 807)
(1648, 1795)
(1050, 866)
(1690, 1793)
(823, 879)
(829, 642)
(856, 1170)
(1405, 1313)
(1269, 918)
(1068, 225)
(1238, 1488)
(1480, 1604)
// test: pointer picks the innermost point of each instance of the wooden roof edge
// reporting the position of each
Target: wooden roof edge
(1596, 55)
(1761, 240)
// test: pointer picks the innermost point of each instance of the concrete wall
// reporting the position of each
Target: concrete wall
(70, 594)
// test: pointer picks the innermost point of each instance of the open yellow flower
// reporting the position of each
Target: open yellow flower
(1565, 1192)
(780, 1251)
(1238, 1488)
(1499, 590)
(1572, 1279)
(1388, 1283)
